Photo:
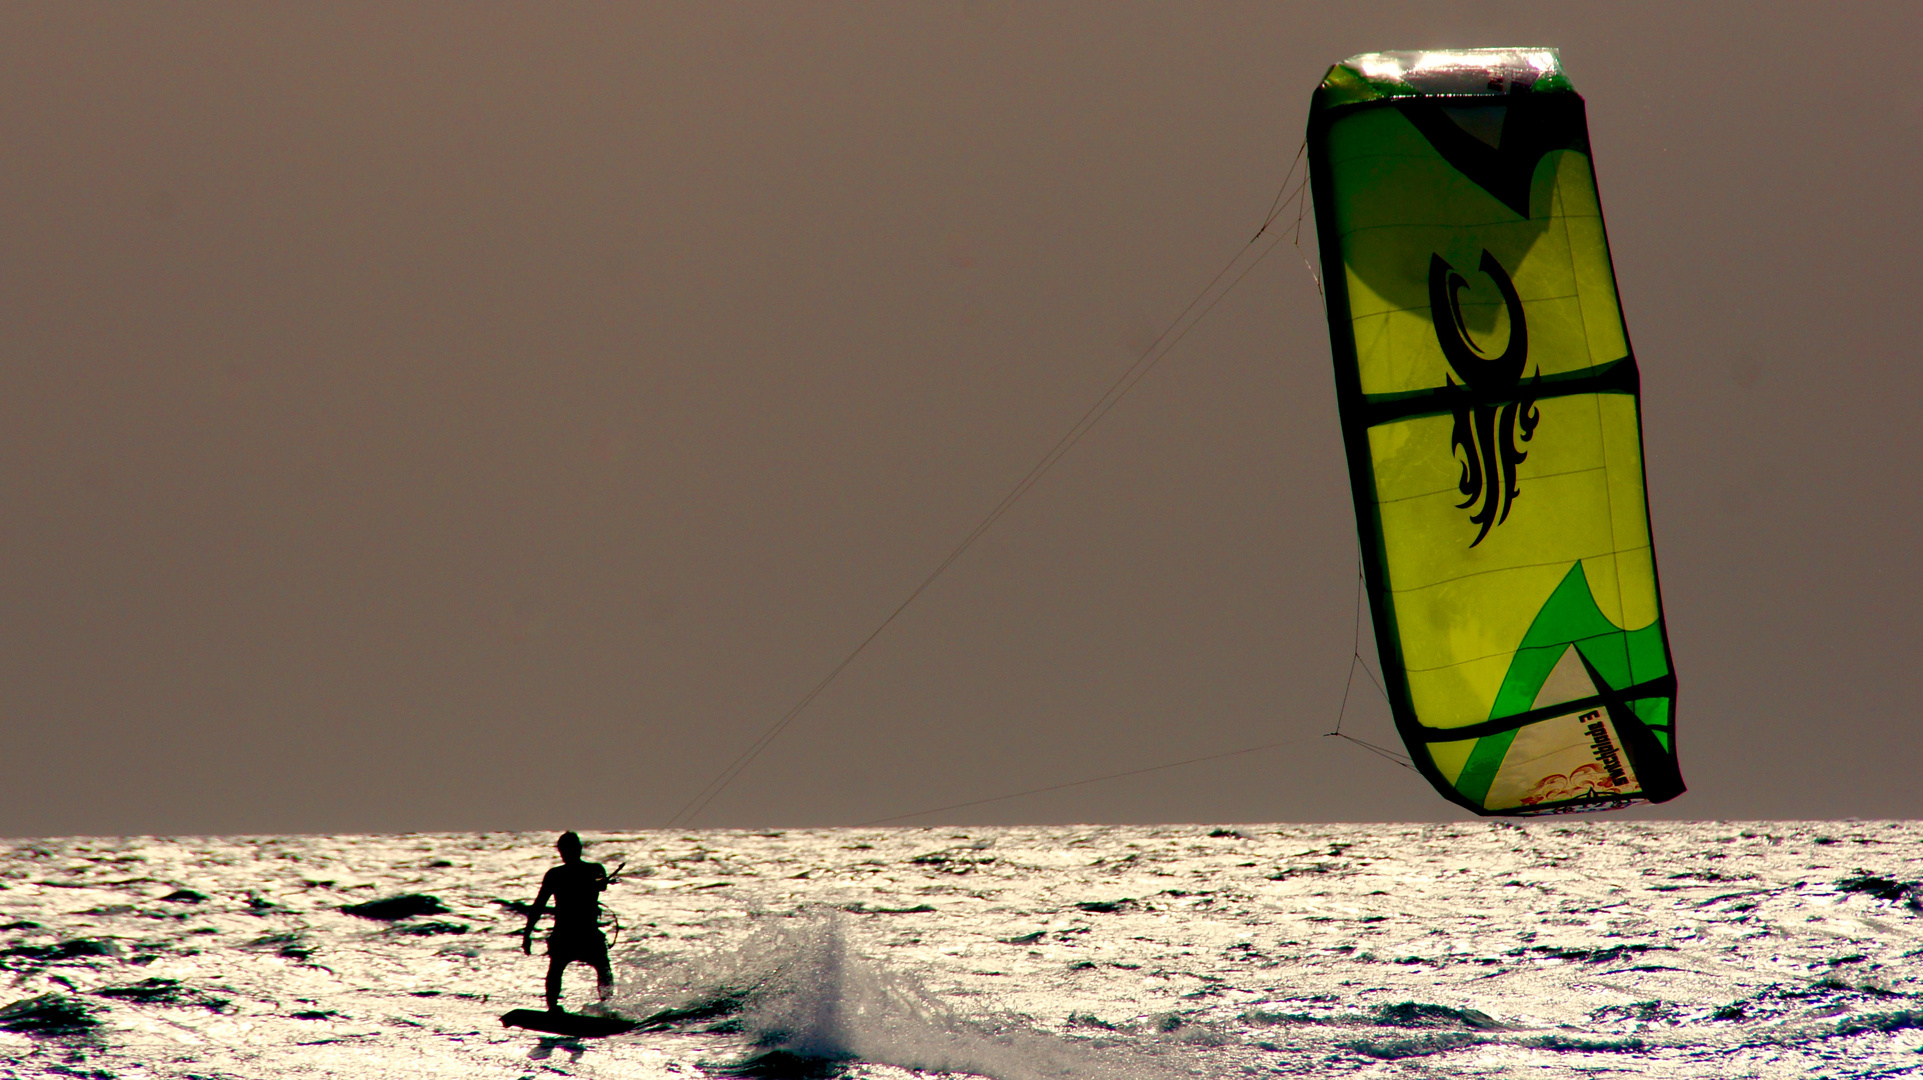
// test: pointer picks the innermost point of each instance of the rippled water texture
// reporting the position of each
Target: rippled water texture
(1549, 949)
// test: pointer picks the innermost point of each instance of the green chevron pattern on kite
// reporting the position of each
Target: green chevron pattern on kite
(1492, 416)
(1573, 661)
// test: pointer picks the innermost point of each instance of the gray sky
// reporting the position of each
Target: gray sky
(479, 417)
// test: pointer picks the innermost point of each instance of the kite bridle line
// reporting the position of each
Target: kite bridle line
(1355, 659)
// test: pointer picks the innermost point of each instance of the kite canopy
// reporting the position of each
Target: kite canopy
(1491, 410)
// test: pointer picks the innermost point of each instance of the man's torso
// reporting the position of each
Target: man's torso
(576, 888)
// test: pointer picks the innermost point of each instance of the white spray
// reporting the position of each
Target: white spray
(800, 989)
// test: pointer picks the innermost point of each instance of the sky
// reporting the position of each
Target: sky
(462, 417)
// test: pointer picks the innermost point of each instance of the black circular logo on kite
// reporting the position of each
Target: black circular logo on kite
(1498, 408)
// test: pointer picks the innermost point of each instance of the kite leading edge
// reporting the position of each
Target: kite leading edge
(1491, 412)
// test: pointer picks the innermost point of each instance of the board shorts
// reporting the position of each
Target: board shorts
(586, 946)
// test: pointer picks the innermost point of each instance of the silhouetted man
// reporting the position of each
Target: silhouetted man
(576, 888)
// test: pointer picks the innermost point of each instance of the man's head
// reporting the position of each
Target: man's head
(569, 845)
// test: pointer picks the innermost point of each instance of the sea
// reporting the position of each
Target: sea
(1546, 948)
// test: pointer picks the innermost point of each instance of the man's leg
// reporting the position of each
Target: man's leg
(603, 974)
(556, 965)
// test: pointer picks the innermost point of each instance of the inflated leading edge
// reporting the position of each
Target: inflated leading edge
(1490, 408)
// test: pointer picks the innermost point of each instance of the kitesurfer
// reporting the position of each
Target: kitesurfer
(576, 888)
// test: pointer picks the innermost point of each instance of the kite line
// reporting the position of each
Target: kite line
(1171, 336)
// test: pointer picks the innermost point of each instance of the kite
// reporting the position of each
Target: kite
(1491, 412)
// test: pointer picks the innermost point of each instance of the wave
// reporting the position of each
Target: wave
(806, 1000)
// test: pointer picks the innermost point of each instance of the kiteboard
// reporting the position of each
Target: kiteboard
(562, 1022)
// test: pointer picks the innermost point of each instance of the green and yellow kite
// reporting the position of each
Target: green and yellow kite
(1490, 408)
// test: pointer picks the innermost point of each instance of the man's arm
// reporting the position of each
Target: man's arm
(534, 914)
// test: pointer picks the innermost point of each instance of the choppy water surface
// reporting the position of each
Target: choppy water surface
(1487, 949)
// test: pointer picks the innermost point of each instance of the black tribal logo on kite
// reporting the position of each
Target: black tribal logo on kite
(1497, 408)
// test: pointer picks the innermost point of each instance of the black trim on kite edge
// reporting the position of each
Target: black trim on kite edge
(1350, 402)
(1615, 377)
(1662, 686)
(1656, 769)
